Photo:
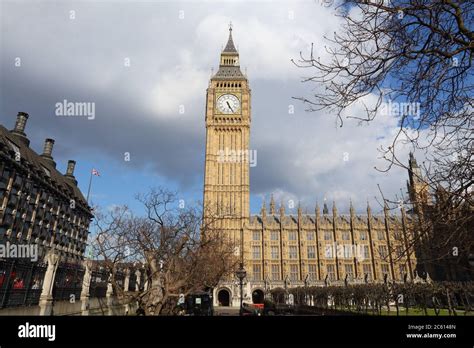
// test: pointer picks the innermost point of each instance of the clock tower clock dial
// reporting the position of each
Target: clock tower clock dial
(228, 104)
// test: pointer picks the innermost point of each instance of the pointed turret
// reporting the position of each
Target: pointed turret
(230, 47)
(325, 209)
(369, 210)
(351, 209)
(229, 67)
(300, 213)
(272, 206)
(386, 210)
(263, 211)
(282, 210)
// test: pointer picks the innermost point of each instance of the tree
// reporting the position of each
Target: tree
(412, 59)
(177, 251)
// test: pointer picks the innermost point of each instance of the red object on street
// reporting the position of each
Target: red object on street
(18, 284)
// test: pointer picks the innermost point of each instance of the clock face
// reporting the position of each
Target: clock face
(228, 104)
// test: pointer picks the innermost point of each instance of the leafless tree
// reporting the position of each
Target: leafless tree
(412, 59)
(178, 252)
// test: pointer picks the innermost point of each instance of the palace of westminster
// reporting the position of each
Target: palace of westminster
(282, 250)
(40, 205)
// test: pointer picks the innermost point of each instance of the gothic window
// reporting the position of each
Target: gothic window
(403, 271)
(384, 268)
(383, 251)
(327, 235)
(345, 236)
(292, 235)
(329, 251)
(257, 272)
(256, 235)
(274, 235)
(256, 252)
(363, 235)
(311, 252)
(349, 271)
(312, 272)
(397, 235)
(365, 251)
(293, 272)
(367, 269)
(331, 272)
(293, 252)
(380, 235)
(310, 235)
(275, 272)
(275, 252)
(347, 251)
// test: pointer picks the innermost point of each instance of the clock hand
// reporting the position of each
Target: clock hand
(230, 107)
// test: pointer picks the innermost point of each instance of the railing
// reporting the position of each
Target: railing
(68, 282)
(98, 285)
(132, 281)
(402, 298)
(20, 282)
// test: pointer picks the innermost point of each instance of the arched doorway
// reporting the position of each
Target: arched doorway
(223, 298)
(257, 296)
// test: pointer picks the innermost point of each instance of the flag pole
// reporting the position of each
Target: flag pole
(89, 189)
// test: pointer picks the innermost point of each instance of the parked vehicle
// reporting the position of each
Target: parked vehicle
(199, 304)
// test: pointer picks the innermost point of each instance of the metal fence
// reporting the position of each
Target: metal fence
(98, 285)
(68, 282)
(20, 282)
(132, 281)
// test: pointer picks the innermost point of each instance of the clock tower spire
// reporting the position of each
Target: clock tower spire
(226, 177)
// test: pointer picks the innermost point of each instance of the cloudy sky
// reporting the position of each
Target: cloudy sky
(141, 61)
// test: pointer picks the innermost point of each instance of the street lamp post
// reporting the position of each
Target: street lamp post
(241, 273)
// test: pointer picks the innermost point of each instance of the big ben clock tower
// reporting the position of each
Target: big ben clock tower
(226, 177)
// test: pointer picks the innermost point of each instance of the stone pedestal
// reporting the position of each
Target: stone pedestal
(137, 284)
(86, 282)
(110, 296)
(46, 298)
(126, 282)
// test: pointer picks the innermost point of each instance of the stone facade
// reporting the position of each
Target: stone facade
(38, 204)
(280, 250)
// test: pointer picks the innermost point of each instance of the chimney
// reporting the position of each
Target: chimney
(48, 150)
(20, 125)
(70, 171)
(70, 168)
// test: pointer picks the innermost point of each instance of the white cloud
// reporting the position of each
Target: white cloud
(179, 87)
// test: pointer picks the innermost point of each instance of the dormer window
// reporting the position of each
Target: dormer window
(47, 171)
(14, 147)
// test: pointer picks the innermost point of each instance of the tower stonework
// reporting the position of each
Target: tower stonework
(281, 249)
(226, 178)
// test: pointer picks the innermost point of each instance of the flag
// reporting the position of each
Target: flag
(95, 172)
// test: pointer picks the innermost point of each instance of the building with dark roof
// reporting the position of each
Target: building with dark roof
(38, 204)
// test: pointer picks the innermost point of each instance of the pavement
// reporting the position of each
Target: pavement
(226, 311)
